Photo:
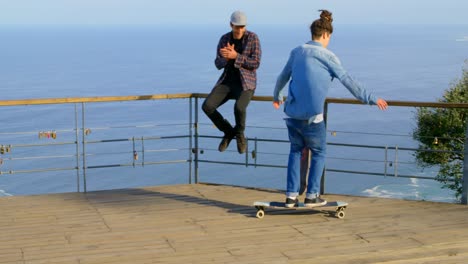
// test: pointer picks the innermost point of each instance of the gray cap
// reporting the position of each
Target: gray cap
(238, 18)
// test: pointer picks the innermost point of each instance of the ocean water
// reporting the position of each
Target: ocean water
(410, 63)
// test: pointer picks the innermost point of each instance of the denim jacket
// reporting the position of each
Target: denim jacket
(311, 68)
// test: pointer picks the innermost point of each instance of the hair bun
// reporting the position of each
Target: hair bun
(326, 15)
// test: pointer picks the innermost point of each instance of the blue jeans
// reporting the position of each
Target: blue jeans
(312, 136)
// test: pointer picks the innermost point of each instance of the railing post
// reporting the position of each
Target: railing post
(190, 140)
(135, 154)
(77, 136)
(322, 181)
(196, 139)
(84, 145)
(386, 161)
(247, 153)
(142, 151)
(464, 199)
(395, 163)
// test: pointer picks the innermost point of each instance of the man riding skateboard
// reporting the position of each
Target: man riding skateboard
(311, 67)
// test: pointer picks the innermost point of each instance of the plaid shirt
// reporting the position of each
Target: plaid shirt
(247, 62)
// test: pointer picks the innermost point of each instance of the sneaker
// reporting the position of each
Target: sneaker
(314, 202)
(290, 203)
(225, 142)
(241, 143)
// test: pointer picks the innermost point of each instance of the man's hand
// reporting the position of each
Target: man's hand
(382, 104)
(228, 52)
(276, 104)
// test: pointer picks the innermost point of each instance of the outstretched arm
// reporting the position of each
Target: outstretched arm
(361, 93)
(282, 80)
(356, 90)
(336, 70)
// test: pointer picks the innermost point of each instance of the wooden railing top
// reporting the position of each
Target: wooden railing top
(97, 99)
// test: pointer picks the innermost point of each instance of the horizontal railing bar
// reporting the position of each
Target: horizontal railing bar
(41, 157)
(132, 139)
(369, 133)
(235, 151)
(163, 137)
(108, 140)
(331, 158)
(136, 163)
(370, 146)
(37, 170)
(43, 145)
(161, 150)
(98, 99)
(381, 174)
(69, 100)
(251, 139)
(390, 147)
(243, 164)
(369, 160)
(137, 126)
(35, 132)
(402, 103)
(358, 145)
(388, 134)
(163, 162)
(271, 153)
(88, 154)
(267, 127)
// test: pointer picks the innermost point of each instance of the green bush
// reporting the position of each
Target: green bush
(443, 129)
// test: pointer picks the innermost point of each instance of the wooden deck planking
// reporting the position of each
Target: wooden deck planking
(216, 224)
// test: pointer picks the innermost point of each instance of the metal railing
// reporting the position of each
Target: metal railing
(140, 145)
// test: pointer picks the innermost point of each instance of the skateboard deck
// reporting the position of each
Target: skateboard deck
(340, 207)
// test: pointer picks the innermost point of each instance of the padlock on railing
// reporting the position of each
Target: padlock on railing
(135, 155)
(5, 149)
(47, 134)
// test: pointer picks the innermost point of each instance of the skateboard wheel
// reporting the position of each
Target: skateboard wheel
(260, 214)
(340, 214)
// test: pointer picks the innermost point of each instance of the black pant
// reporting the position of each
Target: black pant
(220, 95)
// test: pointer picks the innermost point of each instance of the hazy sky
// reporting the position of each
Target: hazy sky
(167, 12)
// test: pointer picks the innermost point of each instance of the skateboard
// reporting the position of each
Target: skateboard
(340, 207)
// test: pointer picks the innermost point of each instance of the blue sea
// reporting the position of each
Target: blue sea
(396, 62)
